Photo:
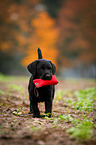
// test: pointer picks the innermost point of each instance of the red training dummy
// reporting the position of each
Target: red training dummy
(40, 83)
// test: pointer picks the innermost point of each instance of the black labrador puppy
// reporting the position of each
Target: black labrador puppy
(41, 69)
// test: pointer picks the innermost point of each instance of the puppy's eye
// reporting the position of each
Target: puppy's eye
(49, 68)
(43, 67)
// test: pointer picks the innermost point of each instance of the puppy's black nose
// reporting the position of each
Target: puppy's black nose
(48, 77)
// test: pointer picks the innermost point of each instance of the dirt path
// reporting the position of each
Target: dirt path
(17, 127)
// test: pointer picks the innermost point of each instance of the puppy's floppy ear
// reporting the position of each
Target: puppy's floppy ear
(53, 68)
(32, 67)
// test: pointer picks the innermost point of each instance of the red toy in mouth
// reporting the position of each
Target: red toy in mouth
(40, 83)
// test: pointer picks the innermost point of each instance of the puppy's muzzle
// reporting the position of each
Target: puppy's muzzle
(47, 77)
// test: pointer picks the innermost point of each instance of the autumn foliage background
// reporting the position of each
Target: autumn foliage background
(65, 30)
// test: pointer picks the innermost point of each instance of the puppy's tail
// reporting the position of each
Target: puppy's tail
(39, 53)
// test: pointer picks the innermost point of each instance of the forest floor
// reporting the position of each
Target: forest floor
(73, 120)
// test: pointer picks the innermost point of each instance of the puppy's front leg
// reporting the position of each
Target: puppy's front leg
(36, 112)
(48, 108)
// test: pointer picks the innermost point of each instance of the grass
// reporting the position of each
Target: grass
(82, 100)
(85, 99)
(86, 93)
(82, 131)
(14, 87)
(5, 78)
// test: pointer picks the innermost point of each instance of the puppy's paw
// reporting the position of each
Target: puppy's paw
(36, 116)
(48, 115)
(30, 112)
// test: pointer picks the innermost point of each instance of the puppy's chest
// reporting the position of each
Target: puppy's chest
(42, 94)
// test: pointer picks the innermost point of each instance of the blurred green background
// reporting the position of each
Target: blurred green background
(65, 30)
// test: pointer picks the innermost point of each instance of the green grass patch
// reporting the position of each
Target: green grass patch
(14, 87)
(81, 100)
(86, 93)
(66, 118)
(5, 78)
(84, 99)
(84, 105)
(82, 131)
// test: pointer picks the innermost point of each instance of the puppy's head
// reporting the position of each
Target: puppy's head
(42, 69)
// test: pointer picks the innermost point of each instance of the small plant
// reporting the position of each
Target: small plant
(82, 131)
(20, 108)
(18, 111)
(66, 118)
(4, 104)
(84, 105)
(2, 113)
(34, 128)
(56, 120)
(70, 101)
